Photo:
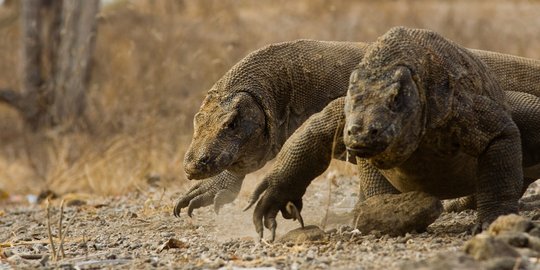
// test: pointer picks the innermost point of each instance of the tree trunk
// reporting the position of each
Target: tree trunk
(58, 40)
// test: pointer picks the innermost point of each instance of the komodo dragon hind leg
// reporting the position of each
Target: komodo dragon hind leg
(469, 202)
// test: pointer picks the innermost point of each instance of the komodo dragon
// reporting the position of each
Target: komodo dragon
(422, 114)
(250, 112)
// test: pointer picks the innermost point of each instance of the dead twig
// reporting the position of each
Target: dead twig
(161, 198)
(51, 240)
(334, 142)
(60, 248)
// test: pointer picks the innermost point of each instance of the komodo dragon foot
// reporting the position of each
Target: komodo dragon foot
(218, 190)
(271, 202)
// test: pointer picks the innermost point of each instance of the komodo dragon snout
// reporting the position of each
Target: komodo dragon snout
(383, 133)
(224, 131)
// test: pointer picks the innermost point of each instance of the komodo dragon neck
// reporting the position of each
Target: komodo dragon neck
(293, 80)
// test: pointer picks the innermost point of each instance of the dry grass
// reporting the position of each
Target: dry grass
(156, 59)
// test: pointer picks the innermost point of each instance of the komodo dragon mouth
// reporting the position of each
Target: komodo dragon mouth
(376, 145)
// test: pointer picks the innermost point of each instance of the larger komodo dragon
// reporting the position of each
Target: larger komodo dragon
(422, 113)
(250, 112)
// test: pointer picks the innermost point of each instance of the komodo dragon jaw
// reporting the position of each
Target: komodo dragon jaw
(200, 166)
(220, 142)
(381, 114)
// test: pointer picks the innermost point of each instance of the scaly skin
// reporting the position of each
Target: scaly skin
(288, 82)
(250, 112)
(309, 145)
(497, 143)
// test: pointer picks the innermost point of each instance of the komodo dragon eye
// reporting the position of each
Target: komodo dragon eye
(232, 124)
(395, 101)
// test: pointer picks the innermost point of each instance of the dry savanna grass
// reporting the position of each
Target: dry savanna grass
(155, 60)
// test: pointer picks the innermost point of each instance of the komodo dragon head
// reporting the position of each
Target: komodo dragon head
(386, 108)
(227, 130)
(383, 116)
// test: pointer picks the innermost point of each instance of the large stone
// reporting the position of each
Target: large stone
(397, 214)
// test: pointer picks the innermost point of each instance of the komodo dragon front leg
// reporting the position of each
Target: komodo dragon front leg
(304, 156)
(218, 190)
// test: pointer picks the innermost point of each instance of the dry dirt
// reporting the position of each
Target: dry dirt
(139, 231)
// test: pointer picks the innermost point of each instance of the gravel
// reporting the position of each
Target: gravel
(139, 231)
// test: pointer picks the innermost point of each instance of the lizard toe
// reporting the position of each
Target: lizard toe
(222, 198)
(184, 200)
(200, 201)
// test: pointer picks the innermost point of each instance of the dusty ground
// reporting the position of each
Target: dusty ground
(131, 232)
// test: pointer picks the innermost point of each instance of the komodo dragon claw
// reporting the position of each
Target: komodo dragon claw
(269, 205)
(293, 211)
(256, 194)
(218, 190)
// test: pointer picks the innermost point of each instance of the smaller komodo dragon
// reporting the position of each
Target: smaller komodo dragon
(250, 112)
(422, 113)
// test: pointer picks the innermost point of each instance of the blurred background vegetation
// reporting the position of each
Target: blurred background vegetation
(155, 60)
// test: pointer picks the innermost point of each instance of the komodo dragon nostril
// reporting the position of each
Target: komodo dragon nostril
(204, 160)
(353, 130)
(373, 131)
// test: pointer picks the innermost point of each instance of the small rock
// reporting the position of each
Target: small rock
(310, 255)
(75, 202)
(44, 260)
(135, 246)
(306, 234)
(397, 214)
(8, 253)
(512, 222)
(173, 243)
(344, 228)
(444, 261)
(331, 231)
(483, 247)
(16, 260)
(505, 263)
(111, 256)
(515, 239)
(167, 234)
